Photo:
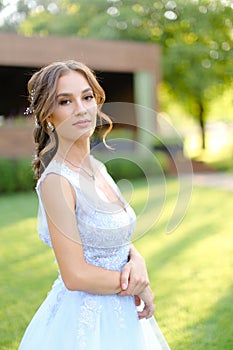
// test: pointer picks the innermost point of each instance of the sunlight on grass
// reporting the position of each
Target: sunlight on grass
(190, 269)
(27, 270)
(219, 146)
(190, 272)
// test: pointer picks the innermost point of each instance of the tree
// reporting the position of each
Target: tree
(12, 14)
(201, 54)
(196, 36)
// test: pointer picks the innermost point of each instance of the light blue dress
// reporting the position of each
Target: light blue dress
(75, 320)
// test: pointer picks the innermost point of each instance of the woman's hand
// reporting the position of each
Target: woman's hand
(135, 281)
(134, 277)
(147, 297)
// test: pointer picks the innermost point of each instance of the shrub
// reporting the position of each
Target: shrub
(16, 175)
(131, 167)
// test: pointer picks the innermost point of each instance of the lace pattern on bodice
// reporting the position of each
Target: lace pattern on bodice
(105, 230)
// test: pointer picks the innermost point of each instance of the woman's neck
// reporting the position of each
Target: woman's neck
(77, 153)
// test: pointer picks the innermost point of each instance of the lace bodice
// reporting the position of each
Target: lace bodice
(105, 228)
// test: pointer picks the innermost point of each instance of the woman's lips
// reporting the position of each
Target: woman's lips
(82, 123)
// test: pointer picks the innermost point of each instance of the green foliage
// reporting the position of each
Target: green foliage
(198, 44)
(123, 169)
(16, 175)
(196, 38)
(131, 168)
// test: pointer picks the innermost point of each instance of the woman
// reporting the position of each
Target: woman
(87, 222)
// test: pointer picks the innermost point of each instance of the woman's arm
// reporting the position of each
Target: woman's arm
(59, 202)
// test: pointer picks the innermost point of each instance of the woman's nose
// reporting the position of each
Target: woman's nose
(79, 108)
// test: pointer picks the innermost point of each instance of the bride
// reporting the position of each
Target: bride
(84, 218)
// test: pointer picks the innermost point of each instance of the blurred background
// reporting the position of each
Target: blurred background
(173, 59)
(172, 56)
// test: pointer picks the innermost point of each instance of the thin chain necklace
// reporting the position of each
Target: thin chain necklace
(92, 176)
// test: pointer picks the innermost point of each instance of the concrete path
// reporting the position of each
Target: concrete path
(217, 180)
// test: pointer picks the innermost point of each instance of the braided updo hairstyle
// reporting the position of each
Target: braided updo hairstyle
(42, 97)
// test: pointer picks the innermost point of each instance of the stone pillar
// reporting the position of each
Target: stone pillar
(145, 106)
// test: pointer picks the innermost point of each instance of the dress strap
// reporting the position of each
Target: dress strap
(56, 167)
(61, 169)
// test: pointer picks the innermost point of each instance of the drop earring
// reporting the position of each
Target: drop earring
(50, 126)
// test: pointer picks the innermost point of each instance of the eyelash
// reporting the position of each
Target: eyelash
(64, 102)
(68, 101)
(88, 97)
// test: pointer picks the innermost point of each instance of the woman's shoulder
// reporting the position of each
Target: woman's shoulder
(98, 164)
(56, 169)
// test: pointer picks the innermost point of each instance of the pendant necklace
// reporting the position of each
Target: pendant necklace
(92, 176)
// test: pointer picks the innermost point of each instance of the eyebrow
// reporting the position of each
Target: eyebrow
(67, 94)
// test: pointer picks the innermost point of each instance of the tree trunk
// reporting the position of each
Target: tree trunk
(202, 125)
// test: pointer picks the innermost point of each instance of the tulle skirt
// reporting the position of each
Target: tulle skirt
(73, 320)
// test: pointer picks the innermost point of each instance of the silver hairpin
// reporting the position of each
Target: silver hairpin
(32, 95)
(28, 111)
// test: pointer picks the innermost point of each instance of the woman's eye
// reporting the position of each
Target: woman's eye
(88, 97)
(64, 102)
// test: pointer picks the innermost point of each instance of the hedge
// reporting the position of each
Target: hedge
(132, 167)
(16, 175)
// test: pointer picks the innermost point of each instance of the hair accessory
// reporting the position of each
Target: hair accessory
(50, 126)
(32, 95)
(28, 111)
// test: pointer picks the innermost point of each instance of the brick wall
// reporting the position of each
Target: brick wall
(16, 141)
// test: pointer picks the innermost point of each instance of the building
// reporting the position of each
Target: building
(128, 71)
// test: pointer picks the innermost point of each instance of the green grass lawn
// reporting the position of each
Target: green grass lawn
(190, 269)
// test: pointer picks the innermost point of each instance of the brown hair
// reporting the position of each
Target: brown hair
(42, 92)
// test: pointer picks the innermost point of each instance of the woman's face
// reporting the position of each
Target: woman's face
(74, 116)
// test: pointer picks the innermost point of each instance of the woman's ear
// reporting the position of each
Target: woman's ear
(49, 118)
